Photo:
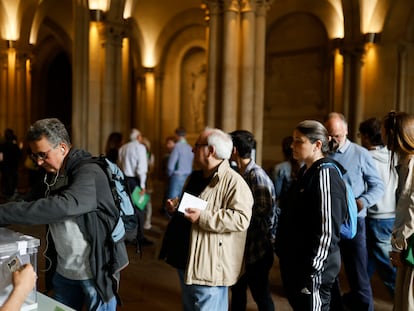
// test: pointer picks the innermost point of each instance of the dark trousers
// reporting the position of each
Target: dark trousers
(256, 277)
(318, 296)
(140, 214)
(355, 259)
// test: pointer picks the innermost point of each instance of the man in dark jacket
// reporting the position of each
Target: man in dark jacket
(258, 253)
(77, 204)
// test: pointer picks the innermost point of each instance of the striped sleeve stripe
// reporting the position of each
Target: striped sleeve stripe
(326, 220)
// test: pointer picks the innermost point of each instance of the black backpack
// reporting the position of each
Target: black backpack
(121, 194)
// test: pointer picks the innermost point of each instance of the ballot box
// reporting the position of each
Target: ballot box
(16, 250)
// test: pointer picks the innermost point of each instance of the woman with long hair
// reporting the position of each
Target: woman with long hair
(398, 132)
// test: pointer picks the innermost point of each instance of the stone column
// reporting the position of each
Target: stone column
(353, 105)
(262, 7)
(157, 141)
(3, 87)
(93, 108)
(230, 65)
(22, 119)
(112, 116)
(83, 132)
(401, 91)
(124, 114)
(248, 46)
(13, 92)
(213, 47)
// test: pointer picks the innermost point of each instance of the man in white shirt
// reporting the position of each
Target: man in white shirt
(133, 161)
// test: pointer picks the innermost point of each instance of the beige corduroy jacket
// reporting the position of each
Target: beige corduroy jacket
(218, 239)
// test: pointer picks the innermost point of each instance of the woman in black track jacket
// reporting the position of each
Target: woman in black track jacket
(309, 226)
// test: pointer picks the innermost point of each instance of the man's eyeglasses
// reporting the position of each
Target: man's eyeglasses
(40, 155)
(338, 136)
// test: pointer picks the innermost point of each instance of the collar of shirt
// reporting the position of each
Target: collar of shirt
(344, 147)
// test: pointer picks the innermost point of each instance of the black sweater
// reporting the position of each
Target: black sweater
(309, 225)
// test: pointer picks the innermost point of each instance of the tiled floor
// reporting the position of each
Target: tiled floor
(150, 284)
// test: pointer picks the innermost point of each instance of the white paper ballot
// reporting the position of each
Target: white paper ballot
(189, 200)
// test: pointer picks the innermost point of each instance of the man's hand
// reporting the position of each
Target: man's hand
(192, 214)
(172, 205)
(359, 205)
(25, 279)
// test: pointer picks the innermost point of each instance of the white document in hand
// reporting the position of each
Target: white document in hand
(189, 200)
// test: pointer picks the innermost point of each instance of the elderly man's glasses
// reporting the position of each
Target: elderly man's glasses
(40, 155)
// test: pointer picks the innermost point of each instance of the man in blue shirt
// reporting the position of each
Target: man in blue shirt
(180, 164)
(368, 187)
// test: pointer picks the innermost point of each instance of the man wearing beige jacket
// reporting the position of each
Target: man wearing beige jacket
(218, 233)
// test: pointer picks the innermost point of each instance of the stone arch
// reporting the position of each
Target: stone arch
(172, 74)
(193, 77)
(328, 13)
(52, 75)
(182, 41)
(297, 78)
(135, 44)
(180, 23)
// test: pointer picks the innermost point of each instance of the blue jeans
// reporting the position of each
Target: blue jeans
(175, 185)
(379, 245)
(203, 298)
(76, 293)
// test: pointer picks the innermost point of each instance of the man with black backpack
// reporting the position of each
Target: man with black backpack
(77, 204)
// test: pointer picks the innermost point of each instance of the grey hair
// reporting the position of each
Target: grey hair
(134, 134)
(314, 130)
(52, 129)
(221, 141)
(336, 115)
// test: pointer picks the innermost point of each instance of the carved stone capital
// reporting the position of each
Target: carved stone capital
(231, 5)
(248, 6)
(113, 32)
(263, 6)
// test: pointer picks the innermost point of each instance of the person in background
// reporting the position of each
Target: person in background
(133, 161)
(307, 239)
(76, 202)
(180, 164)
(284, 173)
(398, 133)
(213, 244)
(368, 188)
(113, 143)
(151, 164)
(12, 154)
(24, 281)
(381, 216)
(170, 142)
(258, 254)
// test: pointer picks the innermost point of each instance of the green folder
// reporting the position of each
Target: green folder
(140, 201)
